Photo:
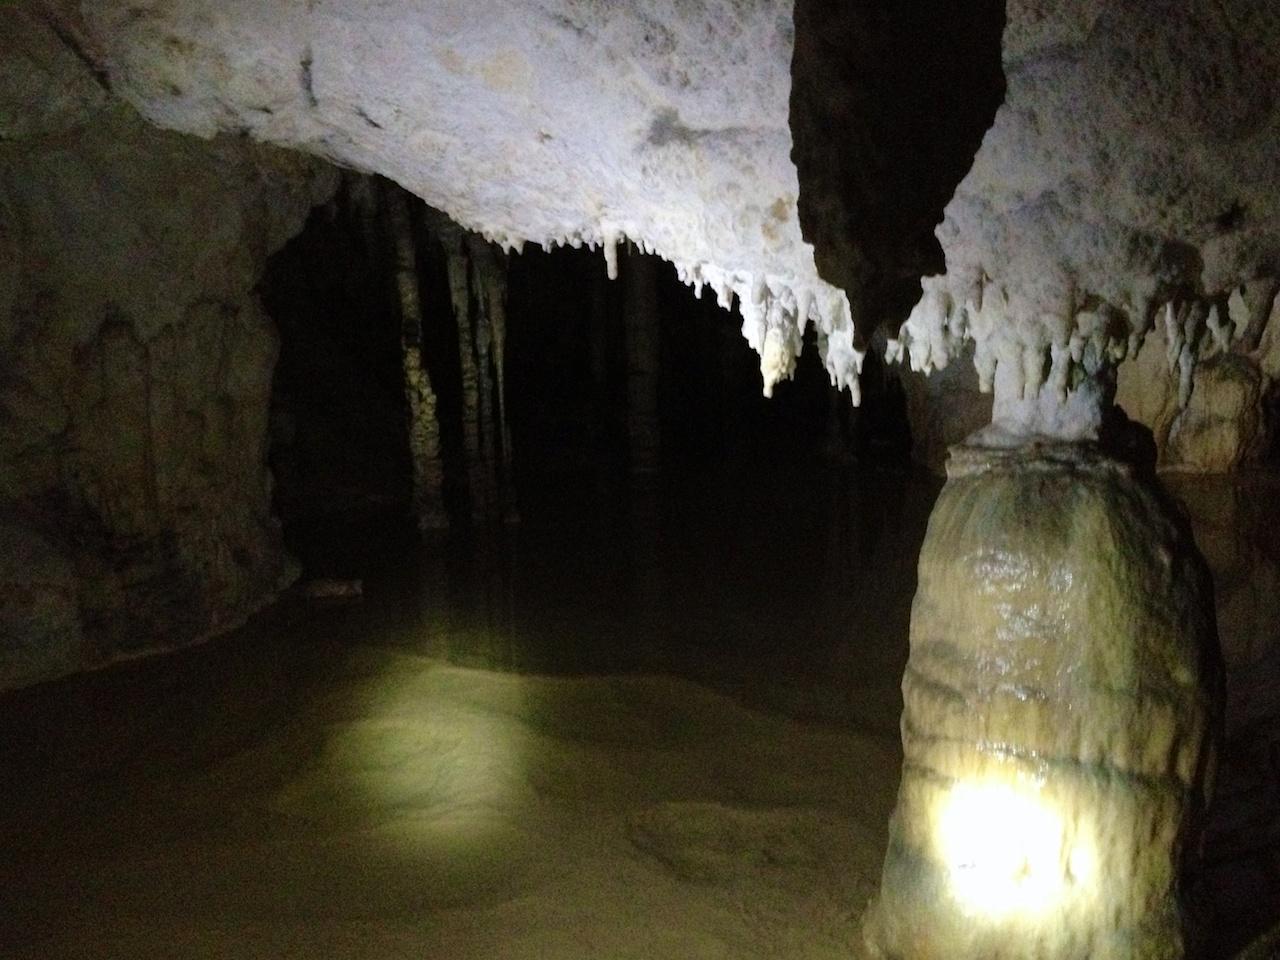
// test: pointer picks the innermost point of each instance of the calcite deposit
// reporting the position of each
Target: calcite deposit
(1056, 717)
(563, 122)
(1219, 416)
(1127, 183)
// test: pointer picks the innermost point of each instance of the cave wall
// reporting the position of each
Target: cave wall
(1228, 420)
(135, 368)
(943, 407)
(1227, 424)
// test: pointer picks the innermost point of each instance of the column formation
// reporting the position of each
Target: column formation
(1055, 720)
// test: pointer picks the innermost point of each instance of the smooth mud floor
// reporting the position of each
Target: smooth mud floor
(662, 731)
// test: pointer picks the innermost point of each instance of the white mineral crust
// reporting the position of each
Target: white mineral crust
(663, 123)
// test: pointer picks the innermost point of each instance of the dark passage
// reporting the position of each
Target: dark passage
(599, 382)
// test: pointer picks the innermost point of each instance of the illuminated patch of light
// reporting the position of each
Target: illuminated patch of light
(1008, 852)
(419, 743)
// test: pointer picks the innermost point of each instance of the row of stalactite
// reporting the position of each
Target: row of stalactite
(470, 319)
(451, 292)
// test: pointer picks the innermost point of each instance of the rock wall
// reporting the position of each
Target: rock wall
(135, 368)
(1234, 523)
(943, 408)
(1228, 420)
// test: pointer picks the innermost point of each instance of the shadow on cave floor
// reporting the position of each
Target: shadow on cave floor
(660, 726)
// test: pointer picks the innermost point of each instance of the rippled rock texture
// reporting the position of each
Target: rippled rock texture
(1062, 640)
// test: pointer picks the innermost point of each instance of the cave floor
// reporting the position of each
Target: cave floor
(540, 746)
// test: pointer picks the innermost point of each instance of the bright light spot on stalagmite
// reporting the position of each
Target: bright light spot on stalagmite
(1008, 852)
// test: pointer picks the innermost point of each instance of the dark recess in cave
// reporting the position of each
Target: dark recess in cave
(339, 451)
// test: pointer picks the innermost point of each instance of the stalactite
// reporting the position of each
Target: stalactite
(360, 193)
(598, 352)
(483, 344)
(641, 320)
(491, 335)
(424, 425)
(477, 293)
(457, 263)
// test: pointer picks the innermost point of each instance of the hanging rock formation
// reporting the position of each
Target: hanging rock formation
(642, 335)
(567, 121)
(1219, 419)
(489, 286)
(1128, 182)
(889, 103)
(1226, 418)
(476, 274)
(420, 393)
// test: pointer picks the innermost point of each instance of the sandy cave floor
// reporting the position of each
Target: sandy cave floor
(540, 751)
(409, 808)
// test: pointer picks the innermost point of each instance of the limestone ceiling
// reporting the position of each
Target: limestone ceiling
(1133, 164)
(546, 121)
(1132, 176)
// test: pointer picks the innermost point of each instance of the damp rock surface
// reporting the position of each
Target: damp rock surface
(1056, 713)
(39, 608)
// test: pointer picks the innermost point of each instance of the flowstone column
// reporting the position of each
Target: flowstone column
(1054, 730)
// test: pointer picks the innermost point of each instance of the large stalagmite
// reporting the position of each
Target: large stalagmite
(1055, 717)
(1057, 696)
(1055, 700)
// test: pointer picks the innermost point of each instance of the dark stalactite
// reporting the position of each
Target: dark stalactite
(889, 103)
(424, 426)
(640, 312)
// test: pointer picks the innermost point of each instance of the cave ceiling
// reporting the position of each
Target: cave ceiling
(1062, 176)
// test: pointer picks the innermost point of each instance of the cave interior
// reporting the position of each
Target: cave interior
(684, 479)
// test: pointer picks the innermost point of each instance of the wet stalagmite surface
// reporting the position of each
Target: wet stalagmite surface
(1058, 701)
